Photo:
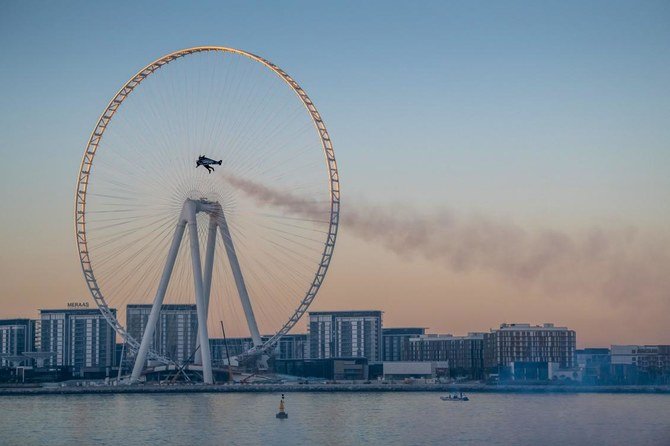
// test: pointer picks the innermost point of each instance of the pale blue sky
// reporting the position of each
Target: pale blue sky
(512, 104)
(551, 113)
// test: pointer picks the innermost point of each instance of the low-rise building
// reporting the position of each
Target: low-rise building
(464, 353)
(397, 370)
(541, 371)
(640, 364)
(395, 342)
(339, 369)
(594, 364)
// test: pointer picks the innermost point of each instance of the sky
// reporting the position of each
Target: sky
(520, 149)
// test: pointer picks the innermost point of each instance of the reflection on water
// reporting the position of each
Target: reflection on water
(337, 419)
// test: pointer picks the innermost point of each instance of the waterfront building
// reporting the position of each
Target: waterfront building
(176, 330)
(16, 337)
(293, 346)
(289, 347)
(525, 343)
(221, 348)
(338, 369)
(395, 370)
(395, 342)
(595, 365)
(540, 371)
(80, 339)
(337, 334)
(465, 354)
(235, 346)
(640, 364)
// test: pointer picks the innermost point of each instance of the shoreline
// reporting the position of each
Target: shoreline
(352, 388)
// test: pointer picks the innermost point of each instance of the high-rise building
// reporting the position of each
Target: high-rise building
(79, 338)
(16, 337)
(395, 342)
(464, 354)
(176, 330)
(525, 343)
(345, 334)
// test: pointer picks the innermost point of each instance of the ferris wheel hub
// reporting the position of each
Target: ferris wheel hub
(210, 207)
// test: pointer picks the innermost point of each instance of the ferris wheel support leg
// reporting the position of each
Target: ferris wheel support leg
(199, 294)
(148, 335)
(239, 281)
(207, 279)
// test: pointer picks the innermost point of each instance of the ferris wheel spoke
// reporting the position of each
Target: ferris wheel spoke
(249, 159)
(134, 170)
(247, 115)
(126, 251)
(291, 234)
(243, 149)
(133, 245)
(120, 235)
(301, 229)
(272, 165)
(114, 264)
(276, 150)
(275, 260)
(290, 218)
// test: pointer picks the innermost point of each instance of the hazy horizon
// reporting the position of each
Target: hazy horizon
(499, 162)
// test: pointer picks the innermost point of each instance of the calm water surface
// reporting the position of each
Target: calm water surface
(336, 419)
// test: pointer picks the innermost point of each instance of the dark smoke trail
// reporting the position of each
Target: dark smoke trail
(619, 265)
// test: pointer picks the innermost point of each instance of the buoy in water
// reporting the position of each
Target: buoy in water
(282, 412)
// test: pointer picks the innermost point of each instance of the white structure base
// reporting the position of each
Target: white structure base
(202, 283)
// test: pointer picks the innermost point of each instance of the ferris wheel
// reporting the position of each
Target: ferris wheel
(223, 148)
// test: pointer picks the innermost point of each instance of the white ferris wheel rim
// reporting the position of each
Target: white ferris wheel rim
(83, 178)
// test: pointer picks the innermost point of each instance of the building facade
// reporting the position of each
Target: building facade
(525, 343)
(595, 365)
(400, 370)
(289, 347)
(465, 354)
(339, 369)
(176, 330)
(293, 346)
(395, 342)
(222, 348)
(16, 337)
(640, 364)
(78, 338)
(352, 334)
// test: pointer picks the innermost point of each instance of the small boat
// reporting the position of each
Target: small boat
(282, 415)
(455, 397)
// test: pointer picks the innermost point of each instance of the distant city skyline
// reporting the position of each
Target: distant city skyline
(315, 321)
(526, 143)
(348, 345)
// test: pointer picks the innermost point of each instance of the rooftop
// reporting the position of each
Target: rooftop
(524, 326)
(360, 313)
(80, 311)
(448, 337)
